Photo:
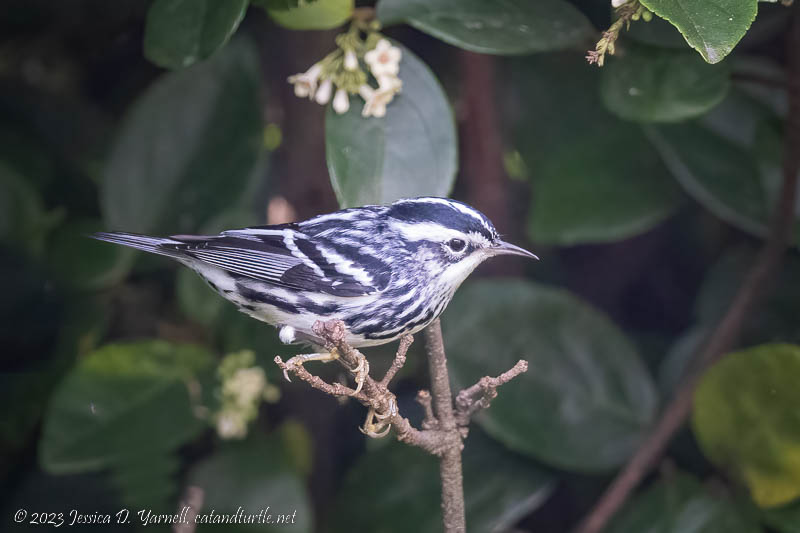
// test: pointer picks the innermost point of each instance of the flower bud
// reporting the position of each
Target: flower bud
(341, 102)
(350, 60)
(323, 95)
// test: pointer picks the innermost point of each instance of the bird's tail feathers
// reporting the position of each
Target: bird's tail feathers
(153, 245)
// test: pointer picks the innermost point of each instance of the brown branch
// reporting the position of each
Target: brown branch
(480, 395)
(443, 428)
(189, 506)
(725, 336)
(425, 400)
(450, 471)
(399, 360)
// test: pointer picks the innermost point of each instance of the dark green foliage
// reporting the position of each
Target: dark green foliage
(646, 187)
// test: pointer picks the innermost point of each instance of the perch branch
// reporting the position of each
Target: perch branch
(450, 471)
(443, 428)
(725, 336)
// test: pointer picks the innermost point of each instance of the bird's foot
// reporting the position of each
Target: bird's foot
(360, 371)
(298, 360)
(375, 425)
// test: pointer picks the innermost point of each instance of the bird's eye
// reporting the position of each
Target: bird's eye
(457, 245)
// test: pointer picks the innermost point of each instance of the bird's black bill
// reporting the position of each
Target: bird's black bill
(506, 248)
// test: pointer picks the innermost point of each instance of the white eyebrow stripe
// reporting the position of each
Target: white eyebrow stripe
(425, 231)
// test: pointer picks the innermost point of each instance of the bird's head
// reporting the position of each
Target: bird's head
(449, 237)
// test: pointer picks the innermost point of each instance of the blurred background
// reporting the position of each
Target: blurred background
(645, 186)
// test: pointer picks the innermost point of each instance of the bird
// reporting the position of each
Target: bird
(385, 271)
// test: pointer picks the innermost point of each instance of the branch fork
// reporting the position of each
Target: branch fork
(436, 434)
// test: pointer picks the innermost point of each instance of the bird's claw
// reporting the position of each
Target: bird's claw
(360, 372)
(298, 360)
(375, 425)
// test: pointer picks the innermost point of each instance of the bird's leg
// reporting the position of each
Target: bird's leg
(375, 425)
(298, 360)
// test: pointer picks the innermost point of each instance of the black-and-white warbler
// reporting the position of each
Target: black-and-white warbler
(385, 271)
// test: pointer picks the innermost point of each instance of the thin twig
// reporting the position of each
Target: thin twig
(725, 336)
(425, 400)
(399, 360)
(480, 395)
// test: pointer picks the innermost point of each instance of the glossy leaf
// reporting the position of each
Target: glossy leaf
(409, 152)
(311, 15)
(746, 420)
(178, 33)
(122, 400)
(596, 178)
(495, 498)
(680, 504)
(585, 402)
(188, 147)
(493, 26)
(254, 475)
(716, 172)
(712, 27)
(658, 85)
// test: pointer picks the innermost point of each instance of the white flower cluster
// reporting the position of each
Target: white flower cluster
(243, 388)
(319, 81)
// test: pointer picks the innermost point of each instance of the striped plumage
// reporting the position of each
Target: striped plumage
(386, 271)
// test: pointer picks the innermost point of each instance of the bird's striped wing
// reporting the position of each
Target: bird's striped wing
(287, 258)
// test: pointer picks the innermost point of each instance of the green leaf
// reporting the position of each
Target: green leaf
(316, 15)
(712, 27)
(188, 147)
(716, 172)
(495, 498)
(600, 196)
(746, 420)
(784, 519)
(658, 85)
(122, 400)
(83, 262)
(254, 475)
(493, 26)
(178, 33)
(657, 32)
(369, 158)
(585, 402)
(680, 504)
(616, 188)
